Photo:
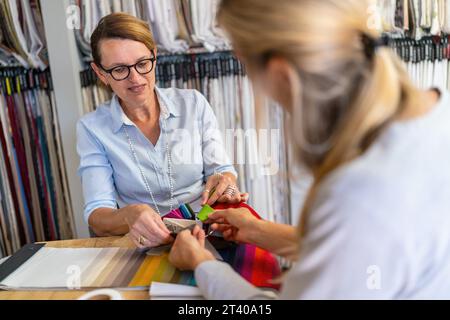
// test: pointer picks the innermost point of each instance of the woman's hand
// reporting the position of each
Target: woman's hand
(146, 227)
(240, 225)
(222, 187)
(189, 251)
(237, 225)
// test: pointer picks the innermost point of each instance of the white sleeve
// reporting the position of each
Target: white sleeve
(352, 250)
(218, 281)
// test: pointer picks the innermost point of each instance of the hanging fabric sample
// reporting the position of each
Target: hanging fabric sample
(427, 60)
(177, 25)
(33, 186)
(22, 33)
(411, 18)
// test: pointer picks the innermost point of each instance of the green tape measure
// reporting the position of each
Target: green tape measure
(204, 213)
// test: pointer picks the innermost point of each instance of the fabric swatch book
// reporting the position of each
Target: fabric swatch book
(36, 267)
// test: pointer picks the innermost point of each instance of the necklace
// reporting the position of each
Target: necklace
(169, 163)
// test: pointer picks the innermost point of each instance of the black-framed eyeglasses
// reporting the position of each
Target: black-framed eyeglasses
(143, 66)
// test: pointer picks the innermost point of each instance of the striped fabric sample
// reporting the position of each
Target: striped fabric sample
(94, 268)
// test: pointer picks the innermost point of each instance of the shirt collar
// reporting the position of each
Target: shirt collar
(166, 103)
(120, 118)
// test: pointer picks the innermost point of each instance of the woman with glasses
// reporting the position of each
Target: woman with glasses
(148, 150)
(376, 222)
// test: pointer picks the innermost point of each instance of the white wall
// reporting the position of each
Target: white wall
(65, 67)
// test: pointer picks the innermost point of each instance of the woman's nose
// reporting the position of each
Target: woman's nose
(134, 75)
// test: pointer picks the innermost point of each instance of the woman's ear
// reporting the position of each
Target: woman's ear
(99, 74)
(282, 81)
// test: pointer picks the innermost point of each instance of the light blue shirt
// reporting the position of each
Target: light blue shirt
(110, 175)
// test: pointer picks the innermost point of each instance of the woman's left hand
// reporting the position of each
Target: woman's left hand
(225, 189)
(188, 250)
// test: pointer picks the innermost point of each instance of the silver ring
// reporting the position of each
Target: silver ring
(230, 190)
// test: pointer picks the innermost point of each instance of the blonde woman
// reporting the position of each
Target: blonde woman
(376, 222)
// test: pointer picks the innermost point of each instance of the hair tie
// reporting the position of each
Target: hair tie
(371, 45)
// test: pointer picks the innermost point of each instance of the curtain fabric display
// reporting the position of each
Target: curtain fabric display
(427, 60)
(181, 24)
(92, 91)
(21, 34)
(411, 18)
(177, 25)
(33, 187)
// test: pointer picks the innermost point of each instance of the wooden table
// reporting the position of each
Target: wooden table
(122, 242)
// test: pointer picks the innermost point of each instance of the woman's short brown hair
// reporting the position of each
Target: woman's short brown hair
(120, 26)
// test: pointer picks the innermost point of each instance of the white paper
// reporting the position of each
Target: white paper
(159, 289)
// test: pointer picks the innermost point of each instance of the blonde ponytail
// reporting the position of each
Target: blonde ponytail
(382, 97)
